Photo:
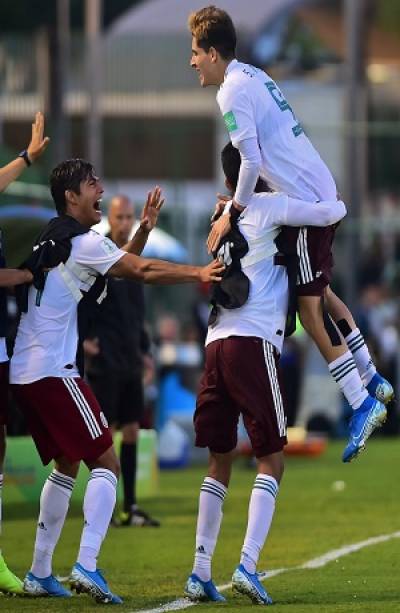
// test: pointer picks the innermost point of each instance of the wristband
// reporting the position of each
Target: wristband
(24, 155)
(234, 213)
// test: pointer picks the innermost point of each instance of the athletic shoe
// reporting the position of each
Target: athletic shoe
(380, 388)
(198, 590)
(93, 583)
(49, 586)
(9, 583)
(370, 415)
(250, 585)
(137, 517)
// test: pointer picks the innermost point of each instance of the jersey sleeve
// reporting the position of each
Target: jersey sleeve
(96, 252)
(238, 114)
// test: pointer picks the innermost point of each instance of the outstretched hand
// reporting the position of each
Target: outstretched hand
(38, 142)
(151, 209)
(212, 272)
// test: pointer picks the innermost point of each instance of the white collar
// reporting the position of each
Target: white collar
(231, 66)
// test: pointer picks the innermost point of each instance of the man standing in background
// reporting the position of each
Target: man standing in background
(117, 349)
(9, 583)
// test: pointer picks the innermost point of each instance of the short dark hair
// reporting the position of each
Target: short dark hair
(212, 27)
(231, 160)
(68, 176)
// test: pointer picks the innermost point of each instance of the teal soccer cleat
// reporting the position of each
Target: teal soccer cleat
(381, 389)
(49, 586)
(370, 416)
(198, 590)
(93, 583)
(250, 585)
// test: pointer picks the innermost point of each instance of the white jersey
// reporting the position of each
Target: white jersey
(264, 313)
(253, 107)
(3, 350)
(47, 338)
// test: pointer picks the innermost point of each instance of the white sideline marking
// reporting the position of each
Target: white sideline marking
(329, 556)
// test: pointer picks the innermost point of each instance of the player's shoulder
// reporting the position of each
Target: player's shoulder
(93, 240)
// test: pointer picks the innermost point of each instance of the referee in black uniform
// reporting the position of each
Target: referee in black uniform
(116, 351)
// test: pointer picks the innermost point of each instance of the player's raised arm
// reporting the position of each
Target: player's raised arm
(165, 273)
(148, 221)
(37, 145)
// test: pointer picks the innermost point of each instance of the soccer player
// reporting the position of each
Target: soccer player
(9, 583)
(271, 142)
(120, 344)
(241, 376)
(63, 415)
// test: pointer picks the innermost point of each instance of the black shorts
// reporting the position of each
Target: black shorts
(120, 397)
(241, 376)
(3, 393)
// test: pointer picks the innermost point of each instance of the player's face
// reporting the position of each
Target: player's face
(202, 62)
(88, 211)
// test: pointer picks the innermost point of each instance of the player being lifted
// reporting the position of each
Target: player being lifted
(271, 142)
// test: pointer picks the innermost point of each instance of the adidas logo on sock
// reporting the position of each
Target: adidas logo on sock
(42, 526)
(200, 549)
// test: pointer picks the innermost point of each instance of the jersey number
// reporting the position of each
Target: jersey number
(283, 105)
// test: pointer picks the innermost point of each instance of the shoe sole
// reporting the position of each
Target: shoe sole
(377, 424)
(245, 587)
(81, 584)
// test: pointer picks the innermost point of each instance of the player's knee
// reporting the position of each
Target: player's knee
(130, 433)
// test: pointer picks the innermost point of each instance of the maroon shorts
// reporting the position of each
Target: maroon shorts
(3, 393)
(241, 376)
(64, 419)
(313, 246)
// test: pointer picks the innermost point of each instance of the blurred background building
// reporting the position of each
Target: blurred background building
(114, 81)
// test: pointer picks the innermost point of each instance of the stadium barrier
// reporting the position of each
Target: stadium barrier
(25, 474)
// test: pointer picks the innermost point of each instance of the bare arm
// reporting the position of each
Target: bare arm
(161, 272)
(14, 276)
(38, 144)
(148, 221)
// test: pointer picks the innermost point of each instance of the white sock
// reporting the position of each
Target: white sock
(212, 494)
(98, 507)
(54, 503)
(261, 512)
(358, 347)
(346, 375)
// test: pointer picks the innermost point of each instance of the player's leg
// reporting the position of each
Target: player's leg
(99, 501)
(9, 583)
(54, 504)
(376, 384)
(265, 422)
(213, 490)
(215, 421)
(369, 413)
(130, 412)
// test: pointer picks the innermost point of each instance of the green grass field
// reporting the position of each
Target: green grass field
(148, 567)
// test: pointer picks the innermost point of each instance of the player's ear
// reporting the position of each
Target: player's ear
(70, 196)
(213, 54)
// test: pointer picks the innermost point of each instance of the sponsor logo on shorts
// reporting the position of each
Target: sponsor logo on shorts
(108, 246)
(103, 419)
(230, 121)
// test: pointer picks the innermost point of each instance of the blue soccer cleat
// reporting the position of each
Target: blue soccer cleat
(198, 590)
(93, 583)
(370, 416)
(380, 388)
(250, 585)
(49, 586)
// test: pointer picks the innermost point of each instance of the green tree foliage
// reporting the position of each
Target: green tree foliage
(388, 14)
